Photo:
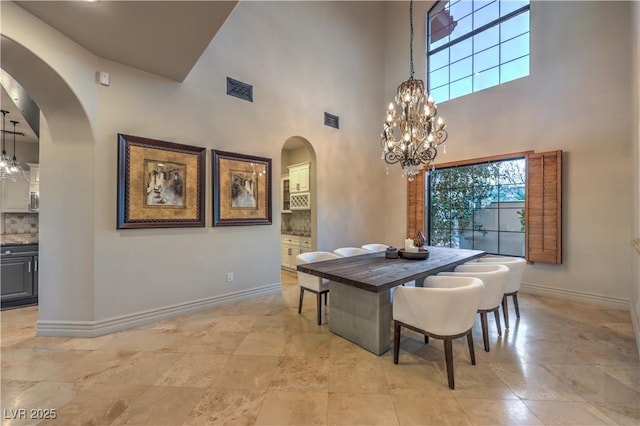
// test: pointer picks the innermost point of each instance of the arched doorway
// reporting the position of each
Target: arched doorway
(66, 214)
(298, 199)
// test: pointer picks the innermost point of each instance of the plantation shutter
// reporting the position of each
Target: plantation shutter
(415, 205)
(543, 208)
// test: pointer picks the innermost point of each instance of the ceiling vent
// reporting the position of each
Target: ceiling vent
(331, 120)
(239, 89)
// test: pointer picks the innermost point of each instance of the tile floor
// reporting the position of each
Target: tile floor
(259, 362)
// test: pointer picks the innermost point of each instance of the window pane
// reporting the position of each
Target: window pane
(461, 88)
(508, 6)
(479, 4)
(514, 26)
(514, 69)
(463, 26)
(438, 60)
(460, 9)
(486, 15)
(461, 69)
(512, 243)
(465, 240)
(510, 218)
(486, 39)
(486, 241)
(515, 48)
(487, 219)
(461, 50)
(440, 94)
(489, 58)
(487, 78)
(512, 172)
(439, 77)
(512, 192)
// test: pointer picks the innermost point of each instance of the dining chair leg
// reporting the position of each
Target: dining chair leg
(505, 310)
(485, 330)
(515, 304)
(472, 352)
(326, 293)
(497, 315)
(396, 341)
(301, 297)
(426, 339)
(319, 307)
(448, 356)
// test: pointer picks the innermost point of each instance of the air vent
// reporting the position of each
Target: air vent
(239, 89)
(331, 120)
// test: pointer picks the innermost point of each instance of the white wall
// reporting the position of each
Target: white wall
(576, 99)
(302, 59)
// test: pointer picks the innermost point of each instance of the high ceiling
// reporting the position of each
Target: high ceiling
(162, 37)
(165, 38)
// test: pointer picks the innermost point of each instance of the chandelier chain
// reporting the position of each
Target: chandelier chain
(411, 37)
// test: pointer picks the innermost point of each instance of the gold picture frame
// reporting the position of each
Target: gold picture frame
(160, 184)
(241, 189)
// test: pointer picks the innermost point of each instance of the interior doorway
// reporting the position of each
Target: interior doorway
(298, 200)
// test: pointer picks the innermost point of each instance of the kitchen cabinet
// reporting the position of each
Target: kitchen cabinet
(289, 249)
(299, 177)
(291, 246)
(285, 194)
(15, 196)
(19, 275)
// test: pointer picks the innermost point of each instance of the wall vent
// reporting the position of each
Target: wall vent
(331, 120)
(239, 89)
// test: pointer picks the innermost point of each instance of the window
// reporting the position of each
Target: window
(474, 45)
(509, 204)
(478, 206)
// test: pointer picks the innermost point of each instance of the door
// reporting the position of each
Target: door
(17, 278)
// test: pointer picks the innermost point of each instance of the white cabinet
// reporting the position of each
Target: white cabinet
(305, 244)
(290, 248)
(34, 180)
(299, 177)
(15, 196)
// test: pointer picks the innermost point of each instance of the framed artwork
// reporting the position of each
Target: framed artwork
(241, 189)
(160, 184)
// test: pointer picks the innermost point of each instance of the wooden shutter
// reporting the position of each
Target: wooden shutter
(543, 208)
(415, 205)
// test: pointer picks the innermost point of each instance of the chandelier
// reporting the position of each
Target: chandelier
(410, 137)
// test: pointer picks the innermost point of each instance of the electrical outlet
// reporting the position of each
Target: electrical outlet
(229, 276)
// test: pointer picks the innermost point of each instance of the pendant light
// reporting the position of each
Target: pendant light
(5, 167)
(14, 167)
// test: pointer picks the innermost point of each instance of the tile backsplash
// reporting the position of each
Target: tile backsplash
(19, 223)
(298, 222)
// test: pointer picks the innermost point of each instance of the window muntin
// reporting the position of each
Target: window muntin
(478, 206)
(466, 39)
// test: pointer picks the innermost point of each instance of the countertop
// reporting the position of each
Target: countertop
(297, 234)
(18, 239)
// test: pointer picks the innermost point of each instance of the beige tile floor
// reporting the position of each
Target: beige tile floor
(259, 362)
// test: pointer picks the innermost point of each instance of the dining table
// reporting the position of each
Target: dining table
(360, 289)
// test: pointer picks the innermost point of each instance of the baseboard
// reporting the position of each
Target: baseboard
(136, 319)
(578, 296)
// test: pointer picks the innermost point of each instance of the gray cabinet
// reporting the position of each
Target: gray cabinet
(19, 275)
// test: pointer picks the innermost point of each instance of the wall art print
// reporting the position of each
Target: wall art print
(160, 184)
(241, 189)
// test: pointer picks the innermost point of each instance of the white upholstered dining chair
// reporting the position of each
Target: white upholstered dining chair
(311, 283)
(350, 251)
(516, 267)
(444, 309)
(494, 278)
(375, 247)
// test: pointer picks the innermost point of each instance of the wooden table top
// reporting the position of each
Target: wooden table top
(373, 272)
